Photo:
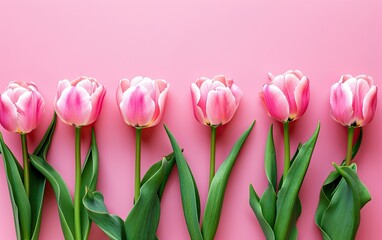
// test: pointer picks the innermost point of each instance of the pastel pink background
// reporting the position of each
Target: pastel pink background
(46, 41)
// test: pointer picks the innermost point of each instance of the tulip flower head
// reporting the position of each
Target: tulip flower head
(215, 100)
(353, 100)
(141, 101)
(286, 96)
(79, 103)
(21, 107)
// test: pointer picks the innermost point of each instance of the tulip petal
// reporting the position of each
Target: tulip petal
(361, 89)
(137, 107)
(198, 111)
(30, 107)
(369, 105)
(341, 100)
(276, 102)
(74, 106)
(220, 107)
(302, 96)
(161, 102)
(8, 113)
(291, 82)
(237, 93)
(96, 101)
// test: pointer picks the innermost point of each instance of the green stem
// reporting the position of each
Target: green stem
(138, 136)
(212, 153)
(26, 163)
(286, 148)
(77, 191)
(350, 145)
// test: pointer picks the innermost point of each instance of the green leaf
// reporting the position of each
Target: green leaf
(339, 215)
(111, 225)
(217, 189)
(89, 178)
(254, 202)
(64, 201)
(37, 181)
(270, 160)
(288, 194)
(19, 199)
(154, 168)
(189, 191)
(143, 220)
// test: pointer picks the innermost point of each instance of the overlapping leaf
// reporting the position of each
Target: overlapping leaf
(143, 220)
(27, 212)
(190, 199)
(89, 177)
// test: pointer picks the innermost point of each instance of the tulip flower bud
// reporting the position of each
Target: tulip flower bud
(141, 101)
(79, 103)
(286, 97)
(353, 100)
(215, 100)
(21, 107)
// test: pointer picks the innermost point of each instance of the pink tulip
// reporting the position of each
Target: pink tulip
(215, 100)
(353, 100)
(286, 97)
(21, 107)
(79, 103)
(141, 101)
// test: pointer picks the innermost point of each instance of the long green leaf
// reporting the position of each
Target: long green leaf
(38, 182)
(154, 168)
(89, 177)
(329, 187)
(64, 201)
(254, 202)
(189, 191)
(288, 194)
(217, 189)
(111, 225)
(340, 219)
(270, 163)
(143, 220)
(19, 199)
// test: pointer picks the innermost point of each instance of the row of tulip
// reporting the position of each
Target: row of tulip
(141, 102)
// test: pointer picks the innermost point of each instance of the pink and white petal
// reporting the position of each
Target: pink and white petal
(78, 80)
(8, 113)
(200, 81)
(136, 80)
(279, 81)
(161, 104)
(276, 103)
(86, 84)
(271, 76)
(96, 100)
(298, 74)
(137, 107)
(237, 93)
(291, 82)
(204, 89)
(162, 85)
(352, 83)
(302, 96)
(362, 88)
(341, 100)
(63, 84)
(30, 108)
(220, 78)
(220, 106)
(368, 79)
(74, 106)
(217, 84)
(345, 77)
(369, 105)
(198, 111)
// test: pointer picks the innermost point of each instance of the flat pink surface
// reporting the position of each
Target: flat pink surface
(46, 41)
